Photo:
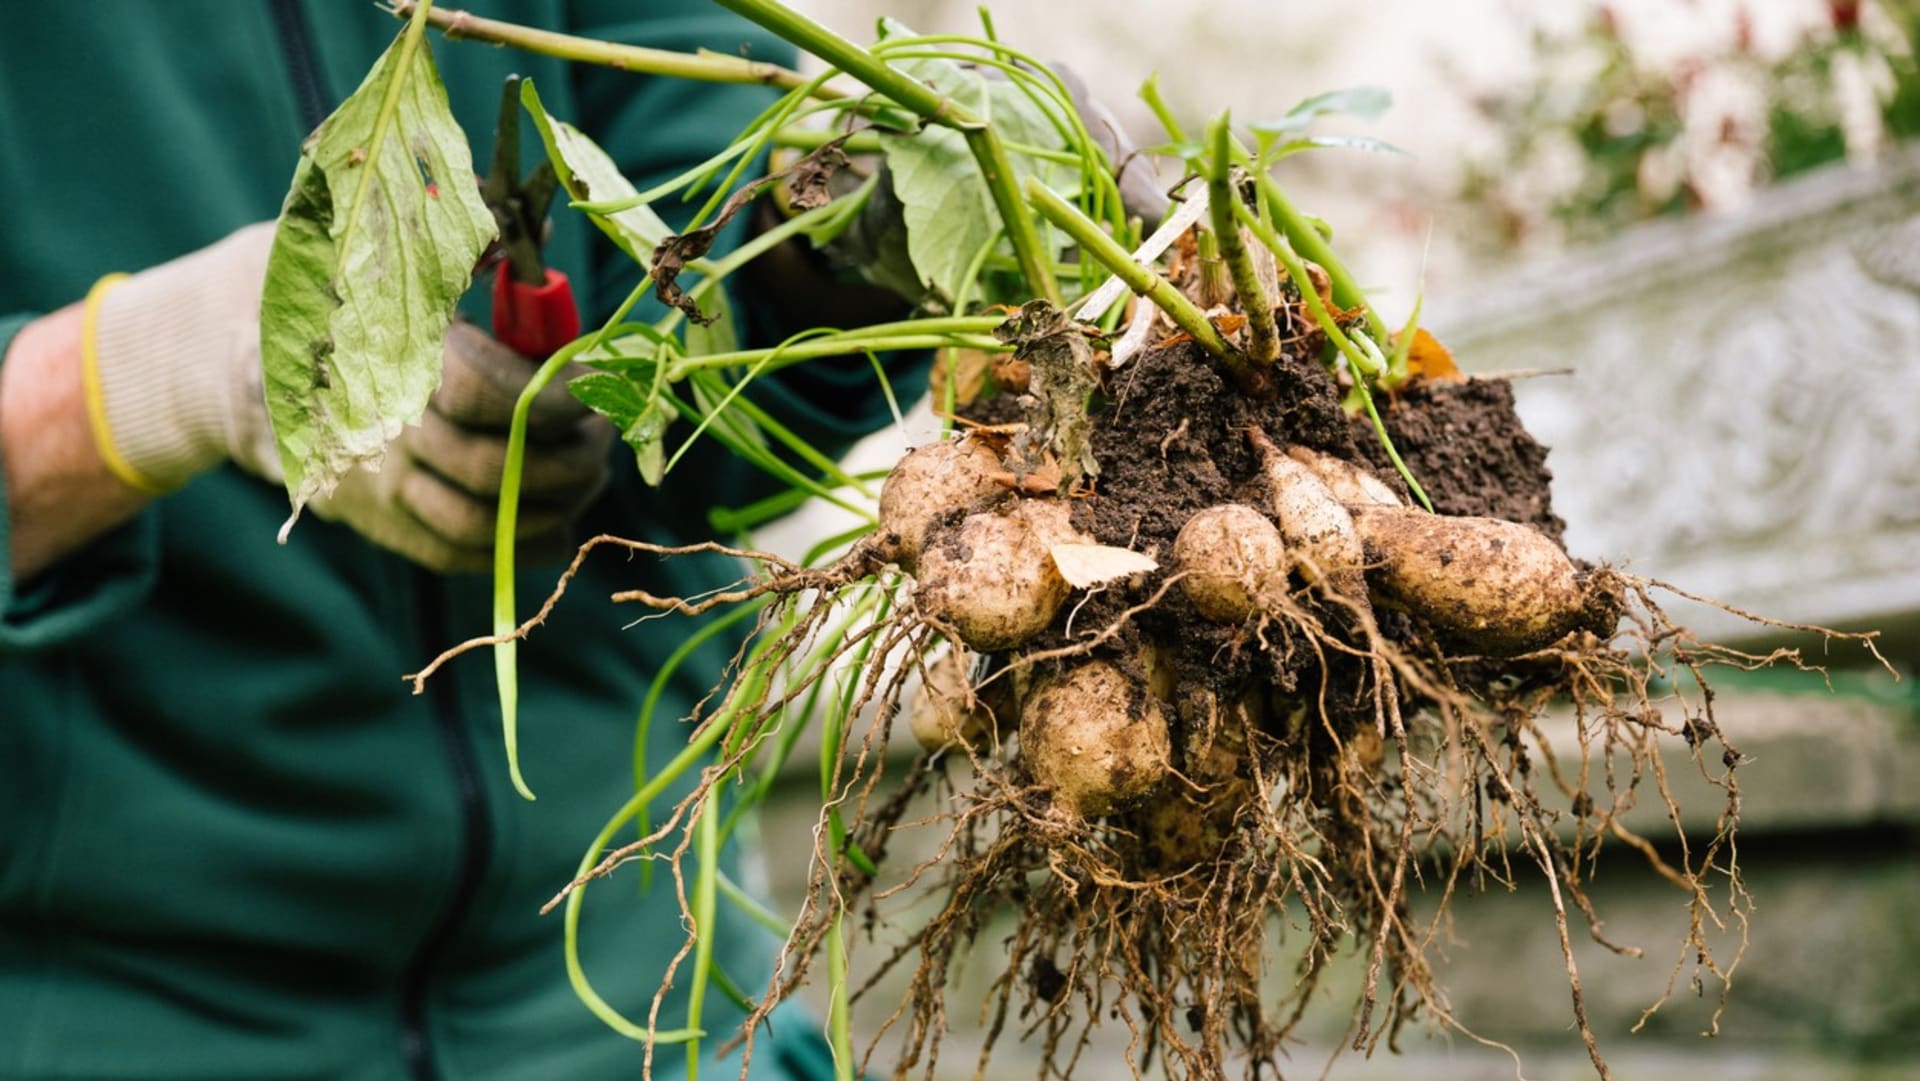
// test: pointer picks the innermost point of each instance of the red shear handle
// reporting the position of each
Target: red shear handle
(534, 320)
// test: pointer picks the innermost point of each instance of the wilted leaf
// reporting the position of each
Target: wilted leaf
(1086, 565)
(681, 250)
(809, 181)
(590, 175)
(376, 244)
(1428, 359)
(1061, 378)
(675, 252)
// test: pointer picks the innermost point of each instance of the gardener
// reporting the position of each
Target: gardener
(232, 844)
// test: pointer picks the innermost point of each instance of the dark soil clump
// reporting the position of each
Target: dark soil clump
(1173, 440)
(1466, 446)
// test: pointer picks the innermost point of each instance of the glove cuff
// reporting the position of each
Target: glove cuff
(161, 354)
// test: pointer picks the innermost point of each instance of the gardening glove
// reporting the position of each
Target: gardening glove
(175, 388)
(172, 365)
(435, 498)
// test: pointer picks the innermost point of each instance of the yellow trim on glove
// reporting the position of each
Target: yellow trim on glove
(96, 401)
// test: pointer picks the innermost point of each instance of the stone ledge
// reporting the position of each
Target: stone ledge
(1813, 763)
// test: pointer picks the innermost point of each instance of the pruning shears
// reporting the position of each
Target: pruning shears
(533, 307)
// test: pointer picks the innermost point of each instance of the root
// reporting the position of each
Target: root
(791, 578)
(1398, 770)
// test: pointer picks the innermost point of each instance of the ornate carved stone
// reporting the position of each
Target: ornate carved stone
(1742, 414)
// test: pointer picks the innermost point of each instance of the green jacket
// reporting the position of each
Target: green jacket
(232, 844)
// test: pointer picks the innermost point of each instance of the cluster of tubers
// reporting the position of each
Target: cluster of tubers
(989, 567)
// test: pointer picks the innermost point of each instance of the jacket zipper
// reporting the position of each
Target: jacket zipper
(476, 834)
(303, 63)
(476, 837)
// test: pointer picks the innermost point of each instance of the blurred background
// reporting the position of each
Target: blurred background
(1695, 226)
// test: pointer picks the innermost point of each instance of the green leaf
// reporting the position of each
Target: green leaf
(1187, 151)
(948, 210)
(1365, 102)
(642, 420)
(1337, 142)
(590, 175)
(376, 244)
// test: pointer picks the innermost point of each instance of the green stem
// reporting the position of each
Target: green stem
(982, 138)
(1263, 340)
(1049, 94)
(767, 462)
(1397, 374)
(689, 756)
(506, 651)
(706, 878)
(1308, 242)
(839, 1008)
(644, 726)
(1144, 281)
(810, 673)
(706, 67)
(1363, 365)
(737, 521)
(869, 142)
(506, 621)
(751, 907)
(1393, 452)
(797, 138)
(997, 169)
(833, 347)
(837, 51)
(1150, 93)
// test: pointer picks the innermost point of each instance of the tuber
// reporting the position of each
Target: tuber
(1500, 586)
(1233, 558)
(1094, 737)
(930, 483)
(991, 580)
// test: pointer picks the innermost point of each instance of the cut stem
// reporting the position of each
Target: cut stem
(1263, 340)
(1144, 281)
